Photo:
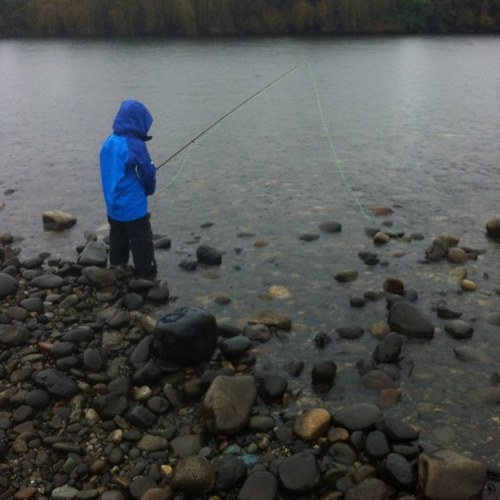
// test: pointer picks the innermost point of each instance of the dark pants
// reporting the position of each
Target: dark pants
(134, 236)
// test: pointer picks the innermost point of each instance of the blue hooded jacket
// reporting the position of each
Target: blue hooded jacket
(127, 173)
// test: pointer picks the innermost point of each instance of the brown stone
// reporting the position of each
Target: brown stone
(312, 424)
(448, 475)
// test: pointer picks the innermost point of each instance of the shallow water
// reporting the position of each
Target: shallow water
(410, 123)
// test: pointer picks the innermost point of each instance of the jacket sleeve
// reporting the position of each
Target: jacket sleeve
(147, 175)
(144, 167)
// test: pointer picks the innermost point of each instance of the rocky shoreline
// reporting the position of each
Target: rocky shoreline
(89, 409)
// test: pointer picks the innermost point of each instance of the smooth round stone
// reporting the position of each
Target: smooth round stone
(350, 332)
(331, 227)
(360, 416)
(299, 473)
(459, 329)
(8, 285)
(343, 453)
(32, 304)
(376, 445)
(377, 380)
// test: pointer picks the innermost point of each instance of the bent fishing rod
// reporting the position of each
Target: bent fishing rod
(214, 124)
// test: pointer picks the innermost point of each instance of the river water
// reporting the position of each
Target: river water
(410, 123)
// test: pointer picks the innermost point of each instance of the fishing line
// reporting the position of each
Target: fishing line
(335, 159)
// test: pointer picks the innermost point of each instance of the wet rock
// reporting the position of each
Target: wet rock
(381, 238)
(468, 285)
(57, 384)
(260, 484)
(14, 335)
(312, 424)
(437, 250)
(397, 430)
(278, 292)
(323, 373)
(235, 347)
(331, 227)
(194, 476)
(459, 329)
(228, 403)
(388, 350)
(343, 453)
(299, 473)
(158, 294)
(457, 256)
(369, 489)
(260, 333)
(468, 354)
(445, 312)
(350, 332)
(493, 227)
(208, 255)
(321, 340)
(347, 276)
(376, 445)
(94, 254)
(99, 276)
(188, 264)
(187, 335)
(163, 243)
(448, 475)
(394, 285)
(272, 387)
(407, 319)
(377, 380)
(308, 237)
(229, 473)
(360, 416)
(57, 220)
(272, 319)
(48, 281)
(186, 446)
(397, 470)
(8, 285)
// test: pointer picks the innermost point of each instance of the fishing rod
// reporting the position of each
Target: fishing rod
(253, 96)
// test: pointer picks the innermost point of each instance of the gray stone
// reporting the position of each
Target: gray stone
(8, 285)
(397, 471)
(260, 484)
(299, 473)
(228, 403)
(459, 329)
(493, 227)
(194, 476)
(208, 255)
(58, 384)
(94, 254)
(99, 276)
(388, 349)
(369, 489)
(46, 281)
(407, 319)
(359, 416)
(14, 335)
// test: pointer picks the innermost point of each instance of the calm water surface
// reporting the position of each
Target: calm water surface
(408, 123)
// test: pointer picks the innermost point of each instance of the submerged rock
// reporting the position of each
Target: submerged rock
(57, 220)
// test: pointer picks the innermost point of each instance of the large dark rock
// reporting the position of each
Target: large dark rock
(407, 319)
(208, 255)
(186, 336)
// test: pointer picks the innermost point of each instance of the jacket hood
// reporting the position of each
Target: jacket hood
(133, 118)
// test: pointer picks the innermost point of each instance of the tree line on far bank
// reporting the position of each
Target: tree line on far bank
(245, 17)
